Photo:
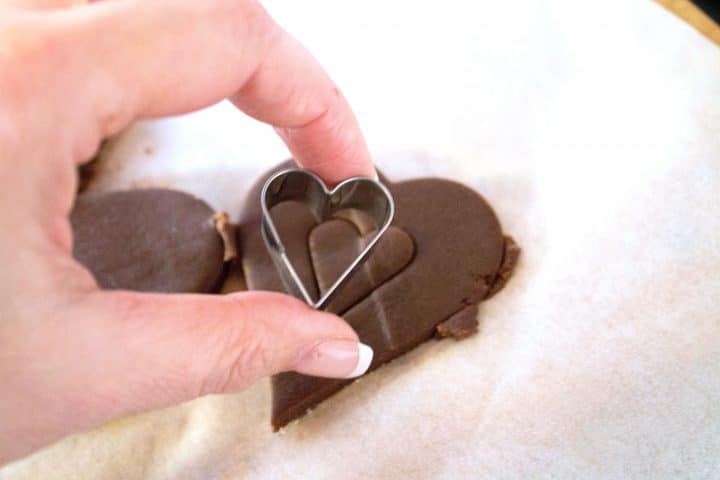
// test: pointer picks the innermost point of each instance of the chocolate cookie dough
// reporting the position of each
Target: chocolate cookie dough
(444, 253)
(151, 240)
(335, 244)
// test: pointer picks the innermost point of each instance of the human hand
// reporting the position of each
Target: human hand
(72, 356)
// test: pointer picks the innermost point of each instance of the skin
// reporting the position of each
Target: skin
(72, 356)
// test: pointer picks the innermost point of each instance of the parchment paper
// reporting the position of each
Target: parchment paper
(594, 130)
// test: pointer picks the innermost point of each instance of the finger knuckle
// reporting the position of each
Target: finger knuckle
(240, 354)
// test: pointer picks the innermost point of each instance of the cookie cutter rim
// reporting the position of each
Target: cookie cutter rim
(321, 202)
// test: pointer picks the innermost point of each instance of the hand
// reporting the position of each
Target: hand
(71, 356)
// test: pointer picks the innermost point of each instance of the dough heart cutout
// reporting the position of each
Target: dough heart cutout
(444, 253)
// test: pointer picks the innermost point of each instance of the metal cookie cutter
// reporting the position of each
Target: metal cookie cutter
(361, 193)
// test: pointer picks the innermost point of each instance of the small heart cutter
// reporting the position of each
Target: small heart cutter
(360, 193)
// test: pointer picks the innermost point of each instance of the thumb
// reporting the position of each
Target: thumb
(116, 353)
(156, 350)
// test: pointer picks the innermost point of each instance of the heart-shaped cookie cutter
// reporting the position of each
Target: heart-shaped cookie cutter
(360, 193)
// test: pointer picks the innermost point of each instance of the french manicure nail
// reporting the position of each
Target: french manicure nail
(336, 359)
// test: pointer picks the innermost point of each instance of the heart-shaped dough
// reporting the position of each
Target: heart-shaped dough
(336, 243)
(460, 258)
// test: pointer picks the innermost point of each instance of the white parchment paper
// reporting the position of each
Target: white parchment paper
(594, 130)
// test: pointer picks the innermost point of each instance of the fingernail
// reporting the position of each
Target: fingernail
(336, 359)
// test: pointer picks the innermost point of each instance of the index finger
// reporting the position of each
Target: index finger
(292, 92)
(169, 57)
